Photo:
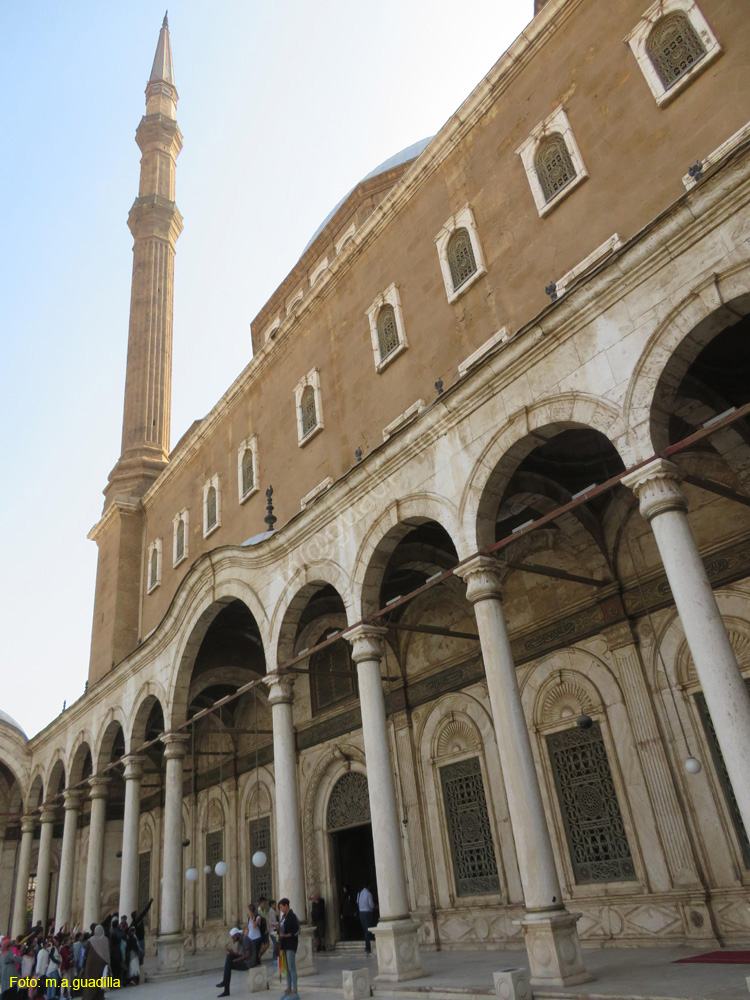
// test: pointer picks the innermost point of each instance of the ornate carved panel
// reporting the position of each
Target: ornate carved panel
(349, 804)
(469, 830)
(144, 881)
(260, 840)
(594, 829)
(214, 882)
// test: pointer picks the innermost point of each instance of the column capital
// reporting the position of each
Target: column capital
(98, 786)
(481, 574)
(72, 798)
(657, 487)
(28, 824)
(133, 766)
(175, 745)
(48, 814)
(367, 642)
(619, 635)
(280, 688)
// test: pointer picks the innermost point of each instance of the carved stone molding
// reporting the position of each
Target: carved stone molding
(72, 798)
(133, 767)
(175, 745)
(565, 701)
(657, 486)
(280, 688)
(619, 635)
(456, 736)
(367, 642)
(482, 578)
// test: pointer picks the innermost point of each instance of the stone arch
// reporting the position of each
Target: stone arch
(36, 790)
(293, 600)
(113, 720)
(56, 780)
(719, 300)
(250, 795)
(81, 759)
(398, 518)
(335, 761)
(348, 801)
(524, 431)
(150, 695)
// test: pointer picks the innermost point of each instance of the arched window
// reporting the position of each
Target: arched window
(387, 331)
(674, 47)
(210, 507)
(153, 573)
(307, 406)
(329, 683)
(179, 542)
(554, 166)
(248, 471)
(469, 828)
(461, 257)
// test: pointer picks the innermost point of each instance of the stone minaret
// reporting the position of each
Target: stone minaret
(155, 224)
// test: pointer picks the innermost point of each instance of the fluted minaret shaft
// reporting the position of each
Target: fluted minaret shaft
(155, 224)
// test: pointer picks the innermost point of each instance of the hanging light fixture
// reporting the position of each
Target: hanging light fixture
(191, 875)
(221, 868)
(259, 857)
(693, 765)
(584, 721)
(207, 869)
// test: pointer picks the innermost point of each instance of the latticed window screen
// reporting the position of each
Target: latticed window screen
(461, 257)
(674, 47)
(180, 540)
(554, 166)
(211, 507)
(214, 882)
(469, 830)
(144, 880)
(248, 472)
(387, 331)
(31, 891)
(307, 406)
(328, 667)
(349, 804)
(153, 572)
(594, 829)
(260, 840)
(723, 775)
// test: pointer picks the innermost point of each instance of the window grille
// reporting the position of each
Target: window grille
(674, 47)
(307, 405)
(260, 840)
(349, 804)
(210, 507)
(248, 473)
(214, 882)
(469, 830)
(554, 166)
(144, 880)
(387, 331)
(153, 576)
(461, 257)
(31, 892)
(594, 829)
(328, 687)
(180, 540)
(723, 775)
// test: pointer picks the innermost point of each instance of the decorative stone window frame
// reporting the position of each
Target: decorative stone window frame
(463, 219)
(249, 444)
(317, 491)
(719, 154)
(153, 579)
(215, 482)
(556, 123)
(270, 331)
(390, 297)
(319, 271)
(604, 250)
(404, 418)
(294, 303)
(184, 517)
(345, 237)
(638, 40)
(311, 379)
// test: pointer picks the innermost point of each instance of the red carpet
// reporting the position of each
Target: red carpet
(720, 958)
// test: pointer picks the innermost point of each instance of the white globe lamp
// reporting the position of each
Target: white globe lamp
(221, 868)
(192, 874)
(259, 859)
(207, 869)
(693, 765)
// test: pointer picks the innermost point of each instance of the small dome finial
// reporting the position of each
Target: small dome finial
(165, 22)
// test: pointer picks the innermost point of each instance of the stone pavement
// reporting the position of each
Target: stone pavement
(622, 974)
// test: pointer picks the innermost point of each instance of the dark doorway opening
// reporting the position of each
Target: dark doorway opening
(354, 859)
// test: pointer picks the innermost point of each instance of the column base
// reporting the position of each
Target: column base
(554, 949)
(397, 951)
(170, 954)
(305, 960)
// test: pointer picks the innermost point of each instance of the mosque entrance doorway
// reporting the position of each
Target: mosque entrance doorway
(352, 852)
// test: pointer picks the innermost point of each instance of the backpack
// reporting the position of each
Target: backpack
(263, 926)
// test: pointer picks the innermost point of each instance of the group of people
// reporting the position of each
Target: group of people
(56, 961)
(266, 926)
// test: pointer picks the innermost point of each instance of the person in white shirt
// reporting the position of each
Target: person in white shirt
(366, 907)
(254, 933)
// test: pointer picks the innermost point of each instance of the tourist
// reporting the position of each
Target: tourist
(272, 919)
(54, 961)
(8, 969)
(139, 925)
(254, 933)
(27, 964)
(96, 959)
(366, 907)
(318, 919)
(348, 915)
(288, 939)
(133, 957)
(265, 940)
(238, 960)
(67, 965)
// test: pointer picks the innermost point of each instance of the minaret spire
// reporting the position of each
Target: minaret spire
(155, 224)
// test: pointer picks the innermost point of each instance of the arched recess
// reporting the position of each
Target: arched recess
(81, 760)
(35, 796)
(453, 729)
(294, 600)
(557, 690)
(56, 780)
(146, 720)
(717, 302)
(110, 747)
(258, 832)
(11, 795)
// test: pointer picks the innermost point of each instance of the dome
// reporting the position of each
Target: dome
(406, 154)
(8, 720)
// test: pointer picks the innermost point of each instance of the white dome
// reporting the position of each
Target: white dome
(10, 721)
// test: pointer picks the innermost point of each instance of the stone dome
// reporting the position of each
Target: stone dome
(9, 721)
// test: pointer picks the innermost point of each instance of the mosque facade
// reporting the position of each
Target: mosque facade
(450, 591)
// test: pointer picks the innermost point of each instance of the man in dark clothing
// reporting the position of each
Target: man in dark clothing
(318, 918)
(236, 960)
(288, 940)
(140, 928)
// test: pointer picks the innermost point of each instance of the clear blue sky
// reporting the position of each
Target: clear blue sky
(283, 107)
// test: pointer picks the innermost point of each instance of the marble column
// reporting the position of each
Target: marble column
(552, 942)
(23, 869)
(41, 896)
(170, 945)
(71, 805)
(131, 819)
(664, 505)
(396, 933)
(92, 900)
(289, 852)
